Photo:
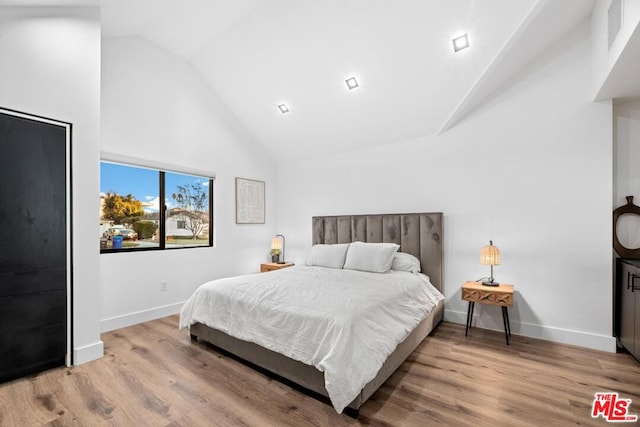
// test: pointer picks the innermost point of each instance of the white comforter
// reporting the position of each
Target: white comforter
(343, 322)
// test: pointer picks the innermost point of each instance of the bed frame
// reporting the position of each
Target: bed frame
(419, 234)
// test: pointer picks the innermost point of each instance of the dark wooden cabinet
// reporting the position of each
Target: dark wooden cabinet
(628, 305)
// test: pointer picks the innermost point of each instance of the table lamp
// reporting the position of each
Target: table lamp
(490, 255)
(277, 243)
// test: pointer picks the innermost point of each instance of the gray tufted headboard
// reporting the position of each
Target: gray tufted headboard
(419, 234)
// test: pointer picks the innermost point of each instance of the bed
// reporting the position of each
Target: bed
(417, 234)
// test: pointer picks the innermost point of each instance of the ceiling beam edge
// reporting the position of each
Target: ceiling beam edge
(481, 88)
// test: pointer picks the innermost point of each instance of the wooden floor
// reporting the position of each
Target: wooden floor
(153, 375)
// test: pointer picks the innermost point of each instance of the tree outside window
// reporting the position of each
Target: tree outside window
(192, 204)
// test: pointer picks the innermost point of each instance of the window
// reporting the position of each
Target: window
(187, 217)
(144, 208)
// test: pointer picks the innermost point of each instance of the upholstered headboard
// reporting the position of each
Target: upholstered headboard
(419, 234)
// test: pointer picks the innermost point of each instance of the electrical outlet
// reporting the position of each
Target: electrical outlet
(163, 286)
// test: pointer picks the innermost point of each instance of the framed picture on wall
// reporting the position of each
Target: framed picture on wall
(249, 201)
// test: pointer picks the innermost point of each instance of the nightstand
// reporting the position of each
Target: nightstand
(501, 295)
(270, 266)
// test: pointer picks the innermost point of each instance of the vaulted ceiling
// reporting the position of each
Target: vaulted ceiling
(257, 54)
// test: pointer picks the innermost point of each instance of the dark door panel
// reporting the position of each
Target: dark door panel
(16, 283)
(25, 352)
(627, 305)
(33, 245)
(30, 311)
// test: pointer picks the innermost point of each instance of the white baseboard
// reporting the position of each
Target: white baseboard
(563, 336)
(88, 353)
(130, 319)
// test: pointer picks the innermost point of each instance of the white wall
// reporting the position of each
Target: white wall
(532, 171)
(156, 107)
(626, 177)
(51, 67)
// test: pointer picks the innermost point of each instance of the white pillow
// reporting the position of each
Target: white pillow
(405, 262)
(331, 256)
(373, 257)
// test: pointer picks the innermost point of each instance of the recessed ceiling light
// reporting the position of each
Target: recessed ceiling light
(352, 83)
(283, 108)
(460, 42)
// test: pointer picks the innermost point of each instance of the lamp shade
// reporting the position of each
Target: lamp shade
(490, 255)
(276, 243)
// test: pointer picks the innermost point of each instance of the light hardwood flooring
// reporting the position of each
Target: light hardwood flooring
(153, 375)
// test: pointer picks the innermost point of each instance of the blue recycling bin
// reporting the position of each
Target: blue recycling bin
(117, 242)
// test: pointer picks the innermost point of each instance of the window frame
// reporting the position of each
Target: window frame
(162, 216)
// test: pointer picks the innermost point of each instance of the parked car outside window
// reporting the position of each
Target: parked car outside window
(111, 232)
(128, 234)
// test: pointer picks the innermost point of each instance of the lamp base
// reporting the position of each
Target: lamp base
(490, 283)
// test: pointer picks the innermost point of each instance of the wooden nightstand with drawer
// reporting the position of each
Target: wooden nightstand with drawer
(501, 295)
(270, 266)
